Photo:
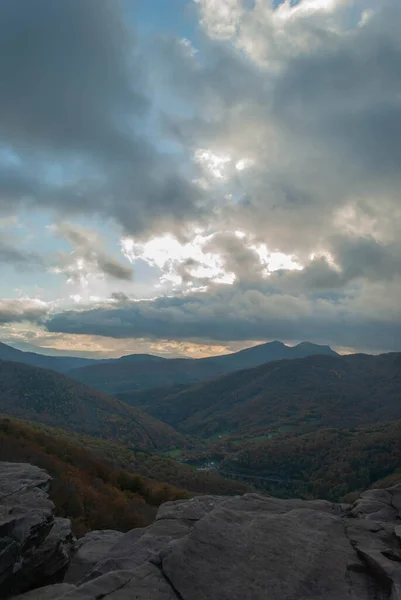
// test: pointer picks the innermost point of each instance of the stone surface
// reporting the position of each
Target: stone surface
(54, 554)
(90, 550)
(252, 547)
(173, 521)
(34, 546)
(50, 592)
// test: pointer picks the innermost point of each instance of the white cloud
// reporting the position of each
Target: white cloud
(213, 164)
(208, 258)
(221, 17)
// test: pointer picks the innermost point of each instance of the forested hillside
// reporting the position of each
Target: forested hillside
(328, 463)
(297, 395)
(93, 493)
(151, 465)
(100, 485)
(48, 397)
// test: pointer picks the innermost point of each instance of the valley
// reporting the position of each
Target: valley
(320, 425)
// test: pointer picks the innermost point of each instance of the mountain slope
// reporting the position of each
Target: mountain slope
(153, 467)
(328, 463)
(125, 375)
(94, 493)
(301, 395)
(48, 397)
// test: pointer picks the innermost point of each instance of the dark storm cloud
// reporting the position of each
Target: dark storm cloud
(233, 315)
(347, 98)
(67, 74)
(352, 258)
(73, 95)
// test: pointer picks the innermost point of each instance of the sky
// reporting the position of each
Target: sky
(191, 177)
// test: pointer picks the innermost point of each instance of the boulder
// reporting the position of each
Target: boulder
(255, 547)
(35, 547)
(250, 547)
(50, 592)
(90, 550)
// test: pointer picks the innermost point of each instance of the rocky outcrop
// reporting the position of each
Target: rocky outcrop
(89, 551)
(254, 547)
(250, 547)
(35, 547)
(50, 592)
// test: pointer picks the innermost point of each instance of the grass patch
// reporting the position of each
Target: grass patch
(173, 453)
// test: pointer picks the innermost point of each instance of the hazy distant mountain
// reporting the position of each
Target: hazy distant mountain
(42, 395)
(127, 374)
(62, 364)
(297, 395)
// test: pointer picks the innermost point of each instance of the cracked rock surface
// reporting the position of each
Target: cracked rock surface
(253, 547)
(89, 550)
(34, 545)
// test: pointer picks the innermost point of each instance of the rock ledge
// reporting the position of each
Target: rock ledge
(252, 547)
(35, 547)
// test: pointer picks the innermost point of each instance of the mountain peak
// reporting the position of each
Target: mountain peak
(311, 344)
(311, 348)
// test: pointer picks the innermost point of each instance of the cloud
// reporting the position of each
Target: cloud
(66, 72)
(237, 256)
(311, 101)
(73, 115)
(360, 318)
(348, 297)
(283, 133)
(11, 254)
(59, 344)
(22, 309)
(88, 258)
(347, 260)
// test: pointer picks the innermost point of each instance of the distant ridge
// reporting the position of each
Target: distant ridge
(126, 375)
(144, 371)
(301, 395)
(61, 364)
(64, 364)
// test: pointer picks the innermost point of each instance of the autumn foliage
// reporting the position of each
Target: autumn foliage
(93, 493)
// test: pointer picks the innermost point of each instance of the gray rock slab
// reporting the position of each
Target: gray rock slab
(255, 547)
(34, 546)
(49, 592)
(89, 550)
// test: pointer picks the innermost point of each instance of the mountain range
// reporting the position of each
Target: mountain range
(48, 397)
(142, 372)
(297, 395)
(145, 371)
